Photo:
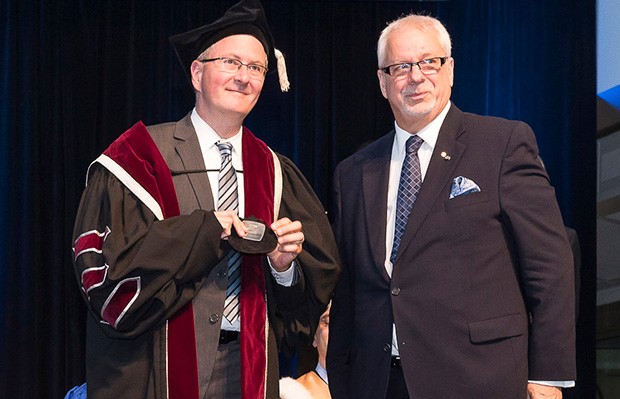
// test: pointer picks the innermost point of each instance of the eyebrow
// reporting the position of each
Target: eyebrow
(236, 56)
(425, 56)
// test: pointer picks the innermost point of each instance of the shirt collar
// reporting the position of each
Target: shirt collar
(429, 133)
(210, 137)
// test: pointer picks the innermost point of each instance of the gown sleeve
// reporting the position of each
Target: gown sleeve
(134, 270)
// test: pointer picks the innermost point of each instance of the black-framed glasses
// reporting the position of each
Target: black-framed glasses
(428, 66)
(233, 65)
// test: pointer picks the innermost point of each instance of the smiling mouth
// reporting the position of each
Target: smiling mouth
(415, 96)
(237, 91)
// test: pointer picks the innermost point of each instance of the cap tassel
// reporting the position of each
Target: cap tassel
(282, 76)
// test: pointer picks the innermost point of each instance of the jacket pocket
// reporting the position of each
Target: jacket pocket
(467, 200)
(497, 328)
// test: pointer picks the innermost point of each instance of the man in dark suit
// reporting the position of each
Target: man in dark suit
(175, 311)
(457, 277)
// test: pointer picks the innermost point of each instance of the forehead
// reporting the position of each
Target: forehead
(240, 46)
(412, 41)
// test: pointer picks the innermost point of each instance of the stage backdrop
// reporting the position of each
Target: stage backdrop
(76, 73)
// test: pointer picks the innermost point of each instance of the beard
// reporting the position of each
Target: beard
(417, 110)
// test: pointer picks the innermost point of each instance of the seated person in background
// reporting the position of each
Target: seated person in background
(312, 385)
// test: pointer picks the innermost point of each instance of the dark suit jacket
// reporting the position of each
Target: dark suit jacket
(482, 289)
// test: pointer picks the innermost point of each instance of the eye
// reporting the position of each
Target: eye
(229, 61)
(400, 69)
(255, 68)
(429, 61)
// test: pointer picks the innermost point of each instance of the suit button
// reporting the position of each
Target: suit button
(214, 318)
(387, 348)
(395, 291)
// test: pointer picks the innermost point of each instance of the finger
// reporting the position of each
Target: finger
(279, 223)
(225, 233)
(291, 238)
(285, 226)
(291, 248)
(239, 227)
(224, 217)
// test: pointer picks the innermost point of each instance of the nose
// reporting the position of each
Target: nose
(416, 75)
(242, 74)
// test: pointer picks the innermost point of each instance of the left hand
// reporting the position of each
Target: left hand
(537, 391)
(290, 240)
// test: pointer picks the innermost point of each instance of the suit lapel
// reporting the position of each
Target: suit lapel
(375, 175)
(187, 148)
(438, 174)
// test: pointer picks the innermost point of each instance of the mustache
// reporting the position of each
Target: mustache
(415, 88)
(413, 91)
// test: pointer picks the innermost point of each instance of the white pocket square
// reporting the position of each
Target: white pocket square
(463, 186)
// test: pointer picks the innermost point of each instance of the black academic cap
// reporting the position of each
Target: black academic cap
(247, 17)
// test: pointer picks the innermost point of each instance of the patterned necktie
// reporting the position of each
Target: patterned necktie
(228, 200)
(408, 189)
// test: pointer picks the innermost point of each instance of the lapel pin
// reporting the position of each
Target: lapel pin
(445, 155)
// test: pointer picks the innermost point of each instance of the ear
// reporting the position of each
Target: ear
(382, 82)
(196, 74)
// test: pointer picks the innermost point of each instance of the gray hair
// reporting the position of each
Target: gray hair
(421, 22)
(205, 54)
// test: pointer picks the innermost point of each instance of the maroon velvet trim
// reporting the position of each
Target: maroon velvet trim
(258, 176)
(87, 242)
(94, 276)
(136, 152)
(124, 293)
(183, 380)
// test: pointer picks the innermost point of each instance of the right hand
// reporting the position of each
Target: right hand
(230, 220)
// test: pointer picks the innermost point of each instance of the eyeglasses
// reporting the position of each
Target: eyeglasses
(233, 65)
(429, 66)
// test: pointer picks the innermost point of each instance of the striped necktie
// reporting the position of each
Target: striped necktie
(228, 200)
(408, 189)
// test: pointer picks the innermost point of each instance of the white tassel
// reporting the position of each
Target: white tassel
(282, 75)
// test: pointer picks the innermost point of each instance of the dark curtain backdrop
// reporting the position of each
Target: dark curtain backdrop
(77, 73)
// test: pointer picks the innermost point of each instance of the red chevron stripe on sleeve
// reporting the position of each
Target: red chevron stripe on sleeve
(119, 301)
(93, 277)
(90, 241)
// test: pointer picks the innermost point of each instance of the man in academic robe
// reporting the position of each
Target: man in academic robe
(198, 249)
